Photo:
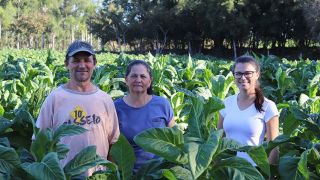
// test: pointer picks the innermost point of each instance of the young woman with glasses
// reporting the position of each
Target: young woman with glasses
(248, 116)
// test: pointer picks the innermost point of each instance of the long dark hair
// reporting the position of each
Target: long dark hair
(138, 62)
(259, 93)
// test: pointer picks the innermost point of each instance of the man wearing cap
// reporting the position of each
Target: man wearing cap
(82, 103)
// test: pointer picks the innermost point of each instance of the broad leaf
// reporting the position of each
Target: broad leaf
(4, 142)
(260, 157)
(221, 85)
(169, 175)
(294, 167)
(153, 169)
(48, 168)
(281, 139)
(235, 168)
(61, 150)
(39, 147)
(164, 142)
(85, 159)
(181, 173)
(8, 159)
(1, 111)
(67, 130)
(200, 154)
(290, 123)
(4, 124)
(26, 156)
(122, 153)
(196, 119)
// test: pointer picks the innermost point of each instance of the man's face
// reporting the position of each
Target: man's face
(80, 66)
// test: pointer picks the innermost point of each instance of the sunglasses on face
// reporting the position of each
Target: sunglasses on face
(246, 74)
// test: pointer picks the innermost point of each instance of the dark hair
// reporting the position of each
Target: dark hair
(259, 93)
(138, 62)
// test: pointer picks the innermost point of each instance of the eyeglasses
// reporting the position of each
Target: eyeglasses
(246, 74)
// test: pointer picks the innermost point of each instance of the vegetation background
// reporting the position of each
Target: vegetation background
(223, 28)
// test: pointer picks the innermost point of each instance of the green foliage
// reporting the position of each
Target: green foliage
(123, 155)
(165, 142)
(48, 168)
(193, 149)
(85, 159)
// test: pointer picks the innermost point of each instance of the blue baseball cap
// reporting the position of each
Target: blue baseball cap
(79, 46)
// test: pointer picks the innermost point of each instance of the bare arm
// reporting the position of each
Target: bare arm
(172, 122)
(220, 122)
(272, 133)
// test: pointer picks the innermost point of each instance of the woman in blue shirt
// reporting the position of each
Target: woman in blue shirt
(140, 110)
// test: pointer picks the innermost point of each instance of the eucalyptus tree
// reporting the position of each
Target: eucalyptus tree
(112, 21)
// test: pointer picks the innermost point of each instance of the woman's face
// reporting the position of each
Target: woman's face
(138, 80)
(246, 76)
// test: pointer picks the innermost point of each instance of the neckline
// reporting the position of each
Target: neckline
(140, 106)
(78, 92)
(236, 101)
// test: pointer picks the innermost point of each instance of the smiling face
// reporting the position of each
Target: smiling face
(246, 76)
(80, 67)
(138, 80)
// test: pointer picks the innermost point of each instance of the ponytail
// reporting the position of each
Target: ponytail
(259, 99)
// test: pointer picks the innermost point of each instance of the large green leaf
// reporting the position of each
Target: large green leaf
(122, 153)
(67, 130)
(153, 169)
(214, 104)
(196, 119)
(235, 168)
(200, 154)
(26, 156)
(221, 85)
(8, 159)
(168, 174)
(61, 149)
(281, 139)
(4, 124)
(314, 156)
(181, 173)
(4, 142)
(313, 86)
(48, 168)
(290, 123)
(40, 146)
(260, 157)
(85, 159)
(227, 143)
(164, 142)
(1, 111)
(294, 167)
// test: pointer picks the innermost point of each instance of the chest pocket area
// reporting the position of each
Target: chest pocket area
(158, 122)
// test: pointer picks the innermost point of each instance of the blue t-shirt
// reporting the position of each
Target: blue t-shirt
(156, 113)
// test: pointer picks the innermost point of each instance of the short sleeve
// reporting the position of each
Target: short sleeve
(223, 111)
(45, 118)
(114, 131)
(169, 111)
(270, 111)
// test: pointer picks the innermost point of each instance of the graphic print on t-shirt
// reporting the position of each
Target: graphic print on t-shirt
(79, 116)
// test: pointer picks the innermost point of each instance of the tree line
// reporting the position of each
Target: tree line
(161, 25)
